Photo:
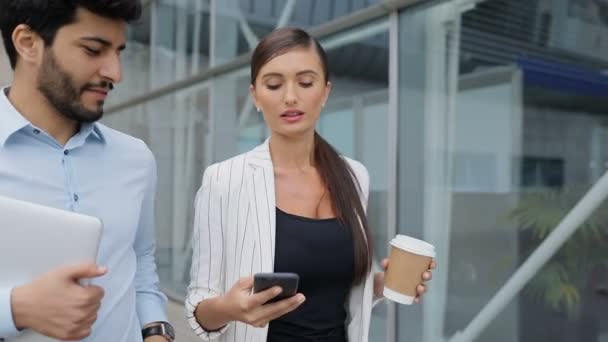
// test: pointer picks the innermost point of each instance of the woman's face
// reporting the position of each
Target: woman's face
(291, 90)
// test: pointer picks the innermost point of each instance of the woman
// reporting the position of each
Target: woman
(290, 205)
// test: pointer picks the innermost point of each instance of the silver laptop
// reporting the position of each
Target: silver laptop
(36, 239)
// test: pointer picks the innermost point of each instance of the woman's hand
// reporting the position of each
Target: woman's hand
(420, 290)
(242, 306)
(251, 309)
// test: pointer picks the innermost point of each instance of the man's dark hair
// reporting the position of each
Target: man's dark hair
(46, 17)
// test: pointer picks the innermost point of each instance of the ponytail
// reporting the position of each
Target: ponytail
(344, 189)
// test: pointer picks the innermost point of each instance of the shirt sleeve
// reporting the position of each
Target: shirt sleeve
(206, 279)
(7, 325)
(151, 302)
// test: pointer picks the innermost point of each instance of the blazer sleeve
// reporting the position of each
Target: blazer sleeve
(207, 277)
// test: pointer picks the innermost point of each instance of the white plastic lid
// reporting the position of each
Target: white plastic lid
(413, 245)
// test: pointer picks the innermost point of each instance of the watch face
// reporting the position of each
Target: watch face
(169, 330)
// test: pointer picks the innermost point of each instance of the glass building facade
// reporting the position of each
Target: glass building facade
(482, 123)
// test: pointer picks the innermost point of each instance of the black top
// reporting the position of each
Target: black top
(321, 252)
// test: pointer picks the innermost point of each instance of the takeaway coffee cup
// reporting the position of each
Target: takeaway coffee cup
(408, 259)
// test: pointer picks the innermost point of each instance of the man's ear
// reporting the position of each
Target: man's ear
(29, 45)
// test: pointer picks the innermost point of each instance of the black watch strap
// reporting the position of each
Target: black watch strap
(161, 329)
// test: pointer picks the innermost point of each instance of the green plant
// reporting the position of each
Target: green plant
(560, 283)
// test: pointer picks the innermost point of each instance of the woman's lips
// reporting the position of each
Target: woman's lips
(292, 116)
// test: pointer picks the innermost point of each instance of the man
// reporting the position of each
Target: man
(66, 58)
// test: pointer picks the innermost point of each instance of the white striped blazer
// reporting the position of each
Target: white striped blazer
(234, 237)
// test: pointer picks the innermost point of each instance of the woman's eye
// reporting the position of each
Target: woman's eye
(306, 84)
(273, 86)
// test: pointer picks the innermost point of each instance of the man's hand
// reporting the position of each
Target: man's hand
(57, 305)
(420, 289)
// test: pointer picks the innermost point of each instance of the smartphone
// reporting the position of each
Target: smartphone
(287, 281)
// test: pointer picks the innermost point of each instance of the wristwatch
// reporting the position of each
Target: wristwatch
(163, 329)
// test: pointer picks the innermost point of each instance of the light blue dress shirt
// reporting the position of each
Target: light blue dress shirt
(103, 173)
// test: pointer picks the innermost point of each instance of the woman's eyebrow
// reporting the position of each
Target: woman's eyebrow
(272, 74)
(300, 73)
(307, 72)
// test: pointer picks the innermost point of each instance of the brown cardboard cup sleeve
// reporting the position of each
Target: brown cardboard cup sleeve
(408, 259)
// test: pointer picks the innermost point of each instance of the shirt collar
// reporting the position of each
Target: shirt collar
(92, 130)
(11, 121)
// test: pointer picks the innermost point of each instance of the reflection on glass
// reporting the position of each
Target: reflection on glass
(178, 142)
(502, 127)
(525, 140)
(168, 44)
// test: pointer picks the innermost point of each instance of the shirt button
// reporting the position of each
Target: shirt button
(66, 152)
(36, 131)
(76, 198)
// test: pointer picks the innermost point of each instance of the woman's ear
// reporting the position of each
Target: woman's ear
(328, 88)
(28, 44)
(253, 97)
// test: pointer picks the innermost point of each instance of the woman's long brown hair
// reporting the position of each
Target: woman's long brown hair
(343, 186)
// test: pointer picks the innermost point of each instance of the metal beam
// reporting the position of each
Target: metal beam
(252, 39)
(358, 35)
(551, 245)
(287, 13)
(231, 66)
(393, 155)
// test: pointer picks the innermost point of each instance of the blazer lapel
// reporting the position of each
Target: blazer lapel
(263, 203)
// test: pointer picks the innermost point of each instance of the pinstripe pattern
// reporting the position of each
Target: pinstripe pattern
(234, 236)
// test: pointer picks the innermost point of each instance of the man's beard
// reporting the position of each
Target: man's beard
(62, 92)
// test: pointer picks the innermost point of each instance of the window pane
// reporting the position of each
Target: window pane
(503, 129)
